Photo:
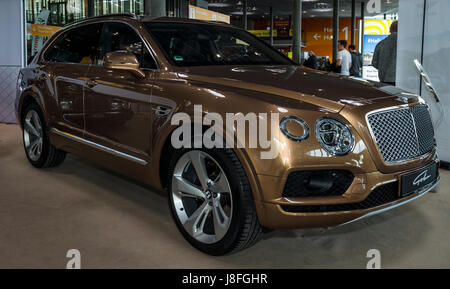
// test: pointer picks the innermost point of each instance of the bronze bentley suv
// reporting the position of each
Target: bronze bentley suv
(107, 89)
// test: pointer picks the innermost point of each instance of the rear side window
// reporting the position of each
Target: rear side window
(79, 45)
(118, 36)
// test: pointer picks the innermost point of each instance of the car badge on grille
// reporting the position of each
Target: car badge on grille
(403, 99)
(421, 178)
(407, 97)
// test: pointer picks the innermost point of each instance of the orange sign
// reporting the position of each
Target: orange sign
(42, 30)
(205, 14)
(318, 33)
(262, 33)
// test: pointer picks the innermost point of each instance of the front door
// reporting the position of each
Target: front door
(117, 103)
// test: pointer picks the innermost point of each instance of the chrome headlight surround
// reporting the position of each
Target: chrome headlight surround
(334, 136)
(290, 136)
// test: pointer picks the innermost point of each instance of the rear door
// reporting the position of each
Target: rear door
(69, 58)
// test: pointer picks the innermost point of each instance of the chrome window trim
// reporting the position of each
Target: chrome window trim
(149, 48)
(99, 146)
(66, 30)
(52, 39)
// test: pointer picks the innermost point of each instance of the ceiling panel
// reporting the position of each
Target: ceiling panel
(311, 8)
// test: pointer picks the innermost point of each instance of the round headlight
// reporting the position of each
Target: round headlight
(294, 128)
(334, 136)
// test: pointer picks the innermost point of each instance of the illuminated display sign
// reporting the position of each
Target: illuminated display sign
(205, 14)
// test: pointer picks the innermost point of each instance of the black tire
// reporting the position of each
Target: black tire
(244, 229)
(50, 156)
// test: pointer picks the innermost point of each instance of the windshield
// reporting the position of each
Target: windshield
(187, 44)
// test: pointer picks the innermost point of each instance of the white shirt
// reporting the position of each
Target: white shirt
(346, 60)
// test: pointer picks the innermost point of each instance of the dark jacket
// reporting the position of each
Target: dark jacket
(357, 62)
(385, 58)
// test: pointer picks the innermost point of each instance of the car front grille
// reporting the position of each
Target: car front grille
(381, 195)
(402, 134)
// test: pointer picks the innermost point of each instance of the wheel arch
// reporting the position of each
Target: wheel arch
(28, 96)
(165, 154)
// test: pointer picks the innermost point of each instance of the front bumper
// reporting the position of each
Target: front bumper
(281, 213)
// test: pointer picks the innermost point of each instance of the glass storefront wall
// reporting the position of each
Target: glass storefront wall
(119, 6)
(61, 11)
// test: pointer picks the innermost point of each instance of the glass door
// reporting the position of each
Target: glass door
(58, 15)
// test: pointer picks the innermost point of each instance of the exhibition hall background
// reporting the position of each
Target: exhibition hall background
(424, 27)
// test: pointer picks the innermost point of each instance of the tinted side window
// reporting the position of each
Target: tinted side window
(79, 45)
(119, 36)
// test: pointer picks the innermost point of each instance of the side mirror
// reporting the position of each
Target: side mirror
(123, 60)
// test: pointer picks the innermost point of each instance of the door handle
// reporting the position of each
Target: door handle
(91, 83)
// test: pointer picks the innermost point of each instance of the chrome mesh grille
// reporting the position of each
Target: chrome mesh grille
(402, 134)
(424, 127)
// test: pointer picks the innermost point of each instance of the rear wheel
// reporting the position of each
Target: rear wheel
(38, 149)
(211, 201)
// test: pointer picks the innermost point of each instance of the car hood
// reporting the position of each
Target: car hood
(327, 90)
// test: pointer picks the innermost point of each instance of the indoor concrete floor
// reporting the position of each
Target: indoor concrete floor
(116, 223)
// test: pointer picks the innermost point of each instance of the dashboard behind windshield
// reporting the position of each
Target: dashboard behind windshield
(186, 44)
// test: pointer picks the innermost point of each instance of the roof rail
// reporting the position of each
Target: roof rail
(179, 19)
(130, 15)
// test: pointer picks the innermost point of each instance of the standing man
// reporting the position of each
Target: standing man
(385, 56)
(344, 58)
(357, 61)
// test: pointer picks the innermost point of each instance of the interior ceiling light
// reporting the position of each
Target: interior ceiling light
(321, 7)
(240, 12)
(322, 10)
(219, 3)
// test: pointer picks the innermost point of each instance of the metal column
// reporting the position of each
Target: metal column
(362, 28)
(90, 8)
(271, 25)
(353, 33)
(297, 30)
(244, 14)
(335, 28)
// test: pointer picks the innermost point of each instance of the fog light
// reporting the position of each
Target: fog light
(320, 183)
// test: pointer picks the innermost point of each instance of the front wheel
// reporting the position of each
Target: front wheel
(211, 201)
(38, 149)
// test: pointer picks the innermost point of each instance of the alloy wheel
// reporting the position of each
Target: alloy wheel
(202, 197)
(33, 135)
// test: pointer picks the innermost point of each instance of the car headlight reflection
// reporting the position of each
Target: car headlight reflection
(334, 136)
